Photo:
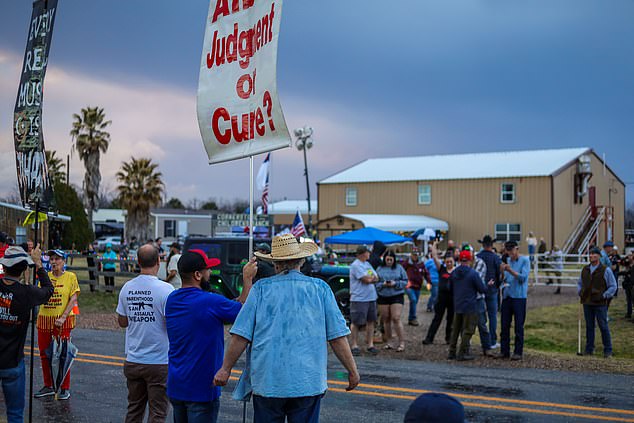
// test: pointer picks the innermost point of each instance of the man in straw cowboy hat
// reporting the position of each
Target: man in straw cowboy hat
(288, 318)
(16, 302)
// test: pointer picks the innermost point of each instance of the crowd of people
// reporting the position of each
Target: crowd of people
(175, 335)
(470, 291)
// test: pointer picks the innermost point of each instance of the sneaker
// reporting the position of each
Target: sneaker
(589, 353)
(465, 357)
(516, 357)
(501, 356)
(493, 347)
(451, 357)
(427, 342)
(429, 310)
(356, 351)
(44, 392)
(63, 395)
(607, 355)
(413, 322)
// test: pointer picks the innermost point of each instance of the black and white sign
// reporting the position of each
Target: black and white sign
(33, 179)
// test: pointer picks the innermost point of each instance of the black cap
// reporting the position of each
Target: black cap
(263, 247)
(595, 250)
(509, 245)
(435, 408)
(195, 260)
(362, 249)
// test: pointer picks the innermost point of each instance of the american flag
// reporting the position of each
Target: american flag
(298, 228)
(262, 182)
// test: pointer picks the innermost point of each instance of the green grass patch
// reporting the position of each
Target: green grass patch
(554, 329)
(97, 302)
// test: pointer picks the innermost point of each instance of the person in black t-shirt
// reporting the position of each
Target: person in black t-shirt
(445, 296)
(16, 302)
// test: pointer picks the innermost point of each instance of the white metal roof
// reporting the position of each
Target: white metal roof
(399, 222)
(459, 166)
(291, 207)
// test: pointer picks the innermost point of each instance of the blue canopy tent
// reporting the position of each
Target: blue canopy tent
(367, 236)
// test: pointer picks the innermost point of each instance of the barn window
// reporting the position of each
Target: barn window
(351, 196)
(508, 232)
(507, 193)
(424, 194)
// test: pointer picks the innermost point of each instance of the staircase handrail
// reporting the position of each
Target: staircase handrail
(593, 230)
(581, 225)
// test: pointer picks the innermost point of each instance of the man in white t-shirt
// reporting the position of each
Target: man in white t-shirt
(172, 267)
(141, 310)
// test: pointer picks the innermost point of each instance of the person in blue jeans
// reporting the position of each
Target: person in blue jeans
(417, 274)
(289, 319)
(430, 264)
(595, 287)
(514, 293)
(492, 279)
(16, 302)
(195, 319)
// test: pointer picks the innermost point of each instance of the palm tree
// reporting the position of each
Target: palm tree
(90, 140)
(55, 167)
(140, 189)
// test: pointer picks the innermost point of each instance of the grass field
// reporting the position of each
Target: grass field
(554, 329)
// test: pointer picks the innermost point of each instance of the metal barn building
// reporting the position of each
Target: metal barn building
(570, 197)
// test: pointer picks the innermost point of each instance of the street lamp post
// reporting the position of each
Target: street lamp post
(303, 143)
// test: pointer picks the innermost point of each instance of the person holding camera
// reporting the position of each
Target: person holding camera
(16, 303)
(627, 274)
(391, 291)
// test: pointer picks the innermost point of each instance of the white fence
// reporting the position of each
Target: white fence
(561, 270)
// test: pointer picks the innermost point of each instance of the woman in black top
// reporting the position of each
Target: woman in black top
(445, 297)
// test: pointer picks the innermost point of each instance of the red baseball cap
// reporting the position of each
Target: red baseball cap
(465, 255)
(195, 260)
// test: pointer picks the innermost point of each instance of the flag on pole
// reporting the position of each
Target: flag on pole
(262, 183)
(298, 228)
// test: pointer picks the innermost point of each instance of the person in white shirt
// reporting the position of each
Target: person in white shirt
(172, 266)
(141, 310)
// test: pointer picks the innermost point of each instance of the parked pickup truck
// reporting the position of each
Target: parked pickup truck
(233, 253)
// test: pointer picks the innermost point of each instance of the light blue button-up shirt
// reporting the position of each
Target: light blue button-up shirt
(517, 287)
(289, 318)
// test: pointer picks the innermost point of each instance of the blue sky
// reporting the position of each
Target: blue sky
(372, 78)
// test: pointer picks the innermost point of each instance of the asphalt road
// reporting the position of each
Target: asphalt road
(387, 388)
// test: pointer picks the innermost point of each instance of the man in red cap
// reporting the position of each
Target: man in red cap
(466, 285)
(195, 327)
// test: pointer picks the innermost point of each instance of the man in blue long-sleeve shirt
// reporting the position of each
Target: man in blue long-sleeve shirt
(514, 293)
(595, 287)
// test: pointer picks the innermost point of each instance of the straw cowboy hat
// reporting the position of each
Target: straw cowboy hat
(286, 247)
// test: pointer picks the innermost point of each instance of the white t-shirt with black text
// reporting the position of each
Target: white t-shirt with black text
(173, 265)
(142, 300)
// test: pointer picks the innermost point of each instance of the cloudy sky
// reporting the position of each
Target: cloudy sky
(374, 79)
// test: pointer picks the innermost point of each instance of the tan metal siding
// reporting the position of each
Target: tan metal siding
(567, 214)
(471, 207)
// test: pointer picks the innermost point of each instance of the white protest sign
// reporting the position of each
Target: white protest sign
(239, 113)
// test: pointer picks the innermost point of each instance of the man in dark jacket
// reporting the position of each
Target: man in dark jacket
(16, 302)
(466, 284)
(493, 278)
(595, 287)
